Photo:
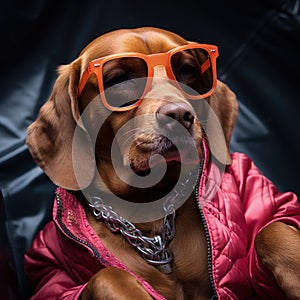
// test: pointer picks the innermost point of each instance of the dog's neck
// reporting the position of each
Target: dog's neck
(153, 246)
(153, 249)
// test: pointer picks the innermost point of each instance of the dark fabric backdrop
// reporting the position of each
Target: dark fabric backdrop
(259, 59)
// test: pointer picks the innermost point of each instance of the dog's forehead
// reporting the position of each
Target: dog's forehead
(144, 40)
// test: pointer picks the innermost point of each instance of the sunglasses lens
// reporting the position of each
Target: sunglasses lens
(192, 69)
(124, 80)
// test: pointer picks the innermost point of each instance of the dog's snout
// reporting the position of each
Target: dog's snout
(168, 115)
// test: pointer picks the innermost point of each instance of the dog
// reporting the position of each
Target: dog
(162, 92)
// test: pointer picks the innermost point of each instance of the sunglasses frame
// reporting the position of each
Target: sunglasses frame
(152, 60)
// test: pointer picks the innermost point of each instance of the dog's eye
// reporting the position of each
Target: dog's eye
(123, 90)
(113, 79)
(189, 77)
(185, 67)
(187, 71)
(121, 70)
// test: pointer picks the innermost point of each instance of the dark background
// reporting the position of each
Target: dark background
(259, 59)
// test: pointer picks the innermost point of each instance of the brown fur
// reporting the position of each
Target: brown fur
(51, 148)
(278, 248)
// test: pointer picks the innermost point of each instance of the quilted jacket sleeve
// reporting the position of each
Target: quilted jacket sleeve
(45, 266)
(263, 204)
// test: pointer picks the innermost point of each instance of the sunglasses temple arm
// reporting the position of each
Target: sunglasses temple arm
(85, 76)
(205, 66)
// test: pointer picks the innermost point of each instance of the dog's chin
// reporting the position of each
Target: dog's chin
(166, 170)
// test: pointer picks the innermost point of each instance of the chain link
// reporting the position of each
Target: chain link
(153, 249)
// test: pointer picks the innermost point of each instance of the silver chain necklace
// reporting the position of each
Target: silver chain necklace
(153, 249)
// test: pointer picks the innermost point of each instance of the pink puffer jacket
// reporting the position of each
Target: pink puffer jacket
(67, 252)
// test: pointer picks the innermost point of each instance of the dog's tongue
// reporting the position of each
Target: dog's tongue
(172, 156)
(157, 159)
(184, 157)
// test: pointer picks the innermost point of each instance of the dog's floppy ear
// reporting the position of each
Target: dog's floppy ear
(50, 137)
(224, 104)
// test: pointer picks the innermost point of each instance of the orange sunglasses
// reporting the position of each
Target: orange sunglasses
(125, 78)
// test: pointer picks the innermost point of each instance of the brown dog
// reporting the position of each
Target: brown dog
(155, 105)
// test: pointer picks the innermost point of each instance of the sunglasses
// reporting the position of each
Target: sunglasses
(125, 78)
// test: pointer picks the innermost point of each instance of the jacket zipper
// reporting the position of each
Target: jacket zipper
(207, 236)
(69, 233)
(98, 256)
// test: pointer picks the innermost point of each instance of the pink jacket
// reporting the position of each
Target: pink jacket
(67, 252)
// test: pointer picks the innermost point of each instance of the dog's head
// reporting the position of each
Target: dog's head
(118, 95)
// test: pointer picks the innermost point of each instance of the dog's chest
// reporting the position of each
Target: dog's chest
(190, 253)
(189, 277)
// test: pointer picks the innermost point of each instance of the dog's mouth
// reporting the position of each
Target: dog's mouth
(148, 156)
(156, 160)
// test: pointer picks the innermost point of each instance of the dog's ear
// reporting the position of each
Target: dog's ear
(50, 137)
(224, 104)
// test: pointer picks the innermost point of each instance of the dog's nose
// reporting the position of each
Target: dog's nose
(168, 115)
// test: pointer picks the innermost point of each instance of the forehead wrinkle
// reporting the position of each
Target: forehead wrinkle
(158, 42)
(146, 42)
(108, 45)
(142, 41)
(124, 40)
